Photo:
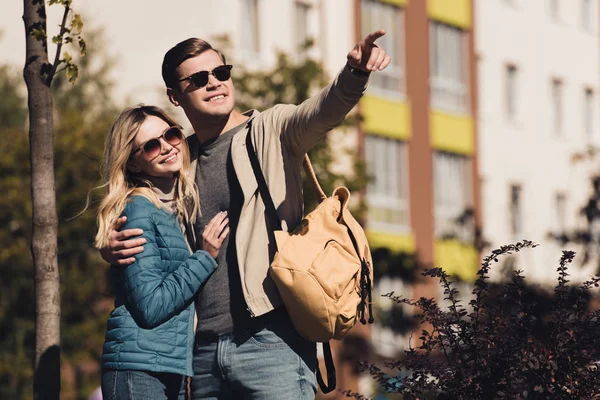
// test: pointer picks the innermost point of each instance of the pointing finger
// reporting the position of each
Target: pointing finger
(373, 36)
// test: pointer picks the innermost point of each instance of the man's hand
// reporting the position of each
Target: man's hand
(367, 56)
(121, 248)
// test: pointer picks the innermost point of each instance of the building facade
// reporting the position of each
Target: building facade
(419, 138)
(538, 70)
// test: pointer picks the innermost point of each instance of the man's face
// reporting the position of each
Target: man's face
(215, 99)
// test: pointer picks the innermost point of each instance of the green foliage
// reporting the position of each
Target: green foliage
(17, 305)
(84, 113)
(288, 82)
(13, 112)
(512, 342)
(291, 81)
(70, 32)
(39, 33)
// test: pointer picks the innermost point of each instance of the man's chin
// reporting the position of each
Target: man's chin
(220, 110)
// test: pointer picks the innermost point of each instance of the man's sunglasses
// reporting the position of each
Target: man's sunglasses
(200, 78)
(151, 148)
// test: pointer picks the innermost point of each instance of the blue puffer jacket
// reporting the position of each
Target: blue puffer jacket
(152, 325)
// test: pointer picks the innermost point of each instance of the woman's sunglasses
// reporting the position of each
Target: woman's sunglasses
(151, 148)
(200, 78)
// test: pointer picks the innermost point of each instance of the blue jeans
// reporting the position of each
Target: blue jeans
(272, 362)
(142, 385)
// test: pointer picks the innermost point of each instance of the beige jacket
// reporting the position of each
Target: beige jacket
(281, 136)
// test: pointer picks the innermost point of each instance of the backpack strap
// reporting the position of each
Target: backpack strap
(260, 179)
(330, 368)
(310, 173)
(263, 189)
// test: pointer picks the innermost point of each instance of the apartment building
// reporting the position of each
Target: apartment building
(419, 137)
(538, 74)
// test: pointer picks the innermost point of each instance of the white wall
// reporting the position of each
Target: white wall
(527, 151)
(139, 32)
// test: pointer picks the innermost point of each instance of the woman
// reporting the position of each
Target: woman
(149, 336)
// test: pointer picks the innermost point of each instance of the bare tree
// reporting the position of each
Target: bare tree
(38, 74)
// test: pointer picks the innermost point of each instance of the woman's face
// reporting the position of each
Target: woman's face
(161, 163)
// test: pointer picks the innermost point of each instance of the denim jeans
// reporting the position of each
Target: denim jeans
(272, 362)
(142, 385)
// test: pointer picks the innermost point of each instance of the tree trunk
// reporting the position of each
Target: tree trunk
(43, 192)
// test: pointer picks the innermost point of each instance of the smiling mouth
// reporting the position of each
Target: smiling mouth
(168, 160)
(217, 98)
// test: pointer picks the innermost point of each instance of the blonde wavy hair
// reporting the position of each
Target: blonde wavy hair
(121, 183)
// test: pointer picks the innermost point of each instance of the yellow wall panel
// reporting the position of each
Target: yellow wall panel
(399, 3)
(457, 259)
(386, 117)
(452, 133)
(452, 12)
(397, 243)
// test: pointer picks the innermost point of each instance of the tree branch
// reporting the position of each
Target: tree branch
(63, 30)
(60, 70)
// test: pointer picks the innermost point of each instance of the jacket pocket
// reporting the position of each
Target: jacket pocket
(161, 339)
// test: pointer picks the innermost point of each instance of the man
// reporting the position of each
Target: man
(246, 346)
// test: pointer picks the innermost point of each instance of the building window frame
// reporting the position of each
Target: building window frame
(511, 95)
(589, 100)
(560, 208)
(557, 90)
(391, 82)
(586, 13)
(449, 68)
(301, 15)
(453, 195)
(515, 207)
(250, 40)
(388, 196)
(554, 9)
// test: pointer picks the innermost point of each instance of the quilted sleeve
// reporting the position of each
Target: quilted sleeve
(153, 297)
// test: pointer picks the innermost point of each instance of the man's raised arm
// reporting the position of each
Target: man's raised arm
(303, 126)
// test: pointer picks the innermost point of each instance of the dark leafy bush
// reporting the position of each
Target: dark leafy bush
(508, 344)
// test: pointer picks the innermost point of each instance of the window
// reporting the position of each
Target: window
(387, 191)
(560, 203)
(557, 106)
(511, 91)
(516, 212)
(376, 15)
(588, 113)
(250, 40)
(554, 9)
(301, 13)
(448, 68)
(452, 194)
(586, 14)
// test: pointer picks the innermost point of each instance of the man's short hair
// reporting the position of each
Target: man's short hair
(189, 48)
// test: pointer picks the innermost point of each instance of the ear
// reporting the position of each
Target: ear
(173, 95)
(133, 166)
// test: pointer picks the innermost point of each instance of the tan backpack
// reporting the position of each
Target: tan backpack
(323, 269)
